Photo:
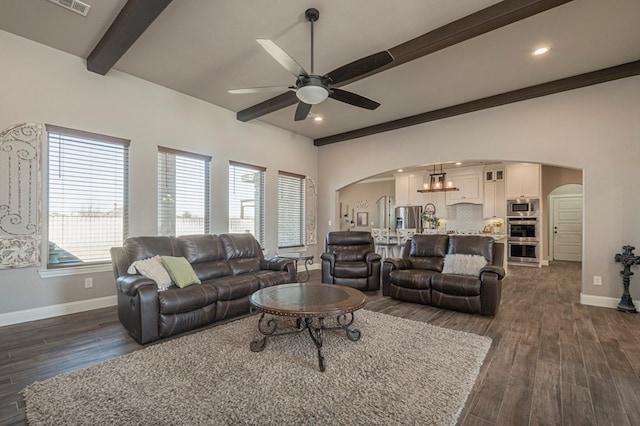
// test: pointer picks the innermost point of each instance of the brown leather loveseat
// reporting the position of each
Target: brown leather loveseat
(230, 267)
(457, 272)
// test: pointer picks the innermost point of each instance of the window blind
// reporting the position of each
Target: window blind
(183, 192)
(246, 199)
(87, 195)
(290, 210)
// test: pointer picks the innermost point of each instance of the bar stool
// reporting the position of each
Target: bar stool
(383, 242)
(404, 235)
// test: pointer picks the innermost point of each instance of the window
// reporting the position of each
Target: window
(87, 196)
(183, 192)
(290, 210)
(246, 199)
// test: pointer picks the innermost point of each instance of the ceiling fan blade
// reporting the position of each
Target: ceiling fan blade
(302, 111)
(268, 89)
(360, 67)
(353, 99)
(280, 101)
(282, 57)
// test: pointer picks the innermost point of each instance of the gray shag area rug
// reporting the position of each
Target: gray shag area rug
(400, 372)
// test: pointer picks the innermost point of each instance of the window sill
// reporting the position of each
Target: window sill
(74, 270)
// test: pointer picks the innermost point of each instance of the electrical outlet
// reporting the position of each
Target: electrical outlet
(88, 282)
(597, 280)
(329, 223)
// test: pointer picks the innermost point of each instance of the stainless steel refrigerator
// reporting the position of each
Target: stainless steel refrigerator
(408, 217)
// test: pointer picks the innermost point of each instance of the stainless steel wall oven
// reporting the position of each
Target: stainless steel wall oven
(523, 251)
(523, 228)
(523, 240)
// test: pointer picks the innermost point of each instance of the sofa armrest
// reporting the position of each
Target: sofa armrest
(388, 265)
(129, 284)
(276, 264)
(329, 257)
(372, 257)
(499, 270)
(397, 263)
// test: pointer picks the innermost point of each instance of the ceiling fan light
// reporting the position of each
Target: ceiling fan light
(312, 94)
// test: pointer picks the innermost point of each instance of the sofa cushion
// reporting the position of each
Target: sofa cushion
(271, 278)
(429, 246)
(201, 248)
(235, 286)
(179, 300)
(465, 264)
(350, 269)
(145, 247)
(214, 269)
(479, 245)
(243, 252)
(427, 263)
(457, 285)
(350, 253)
(152, 268)
(412, 278)
(180, 271)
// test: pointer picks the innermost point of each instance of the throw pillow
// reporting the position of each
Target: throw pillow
(180, 271)
(464, 264)
(152, 268)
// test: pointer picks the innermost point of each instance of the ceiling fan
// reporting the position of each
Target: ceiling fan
(310, 88)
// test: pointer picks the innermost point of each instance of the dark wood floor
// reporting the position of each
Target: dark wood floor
(552, 361)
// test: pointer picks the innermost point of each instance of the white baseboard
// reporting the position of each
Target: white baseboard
(43, 312)
(601, 301)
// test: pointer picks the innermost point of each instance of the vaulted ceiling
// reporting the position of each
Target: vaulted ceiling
(450, 56)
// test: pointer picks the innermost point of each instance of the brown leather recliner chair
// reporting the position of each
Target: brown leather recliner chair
(350, 260)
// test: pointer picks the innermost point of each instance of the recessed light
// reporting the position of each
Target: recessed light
(400, 170)
(317, 118)
(458, 163)
(541, 51)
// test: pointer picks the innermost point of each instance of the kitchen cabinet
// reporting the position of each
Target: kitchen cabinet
(495, 203)
(523, 180)
(469, 183)
(407, 186)
(494, 173)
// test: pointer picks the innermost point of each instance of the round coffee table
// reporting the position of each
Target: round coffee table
(310, 304)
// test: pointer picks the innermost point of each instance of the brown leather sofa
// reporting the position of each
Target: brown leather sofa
(350, 260)
(418, 277)
(230, 266)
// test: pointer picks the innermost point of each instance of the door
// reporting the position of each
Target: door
(567, 228)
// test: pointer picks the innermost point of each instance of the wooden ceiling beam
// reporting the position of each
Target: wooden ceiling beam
(575, 82)
(134, 18)
(488, 19)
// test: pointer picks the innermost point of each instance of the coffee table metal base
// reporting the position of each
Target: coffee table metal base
(270, 328)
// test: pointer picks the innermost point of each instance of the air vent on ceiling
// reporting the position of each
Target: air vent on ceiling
(73, 5)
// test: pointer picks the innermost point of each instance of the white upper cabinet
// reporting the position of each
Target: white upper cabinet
(523, 180)
(469, 182)
(494, 173)
(407, 186)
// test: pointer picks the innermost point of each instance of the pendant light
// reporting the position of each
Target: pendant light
(438, 182)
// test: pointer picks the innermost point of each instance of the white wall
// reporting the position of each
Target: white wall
(596, 129)
(43, 85)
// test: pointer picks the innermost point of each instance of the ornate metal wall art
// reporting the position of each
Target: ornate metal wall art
(311, 213)
(627, 258)
(20, 231)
